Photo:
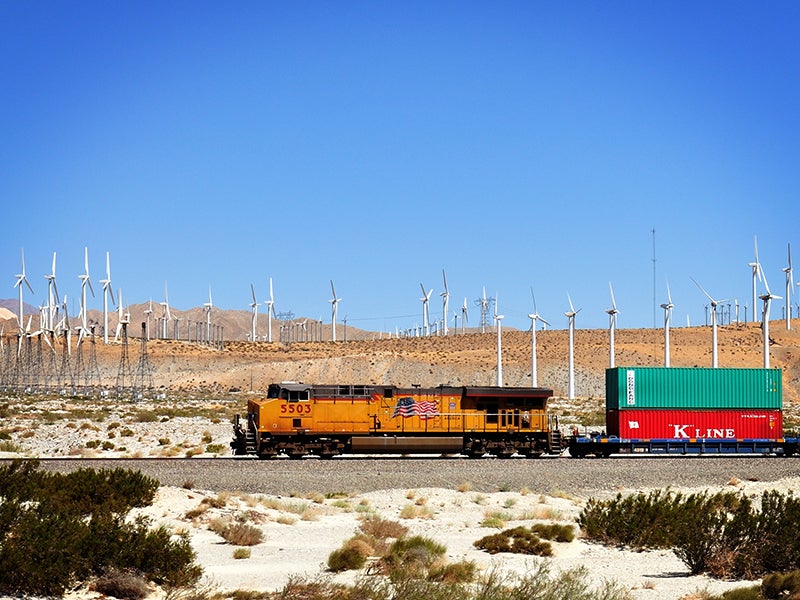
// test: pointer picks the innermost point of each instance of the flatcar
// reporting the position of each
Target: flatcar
(297, 420)
(657, 410)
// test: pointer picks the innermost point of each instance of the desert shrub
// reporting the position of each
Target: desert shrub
(412, 557)
(458, 572)
(554, 531)
(781, 585)
(57, 529)
(241, 553)
(215, 448)
(345, 559)
(122, 584)
(9, 446)
(242, 534)
(519, 540)
(146, 416)
(752, 592)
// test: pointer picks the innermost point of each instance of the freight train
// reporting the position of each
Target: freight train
(328, 420)
(656, 410)
(649, 410)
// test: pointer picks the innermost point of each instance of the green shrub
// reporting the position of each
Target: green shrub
(346, 559)
(58, 529)
(781, 585)
(518, 540)
(241, 553)
(554, 531)
(412, 557)
(459, 572)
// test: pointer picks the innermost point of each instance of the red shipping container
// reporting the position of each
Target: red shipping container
(694, 424)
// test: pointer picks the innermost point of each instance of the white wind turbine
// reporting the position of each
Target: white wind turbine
(445, 301)
(207, 308)
(166, 317)
(499, 320)
(612, 326)
(571, 374)
(756, 267)
(120, 314)
(334, 311)
(668, 306)
(254, 306)
(789, 288)
(84, 331)
(107, 290)
(270, 311)
(148, 311)
(52, 297)
(22, 279)
(767, 298)
(63, 324)
(714, 304)
(463, 315)
(426, 296)
(535, 316)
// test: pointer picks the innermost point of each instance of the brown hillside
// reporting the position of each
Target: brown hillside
(457, 359)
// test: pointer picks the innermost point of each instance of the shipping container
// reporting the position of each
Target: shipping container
(693, 388)
(694, 424)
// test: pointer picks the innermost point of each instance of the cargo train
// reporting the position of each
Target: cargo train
(648, 410)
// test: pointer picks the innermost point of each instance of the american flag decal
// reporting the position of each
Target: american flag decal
(406, 407)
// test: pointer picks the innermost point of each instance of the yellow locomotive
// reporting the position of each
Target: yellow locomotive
(328, 420)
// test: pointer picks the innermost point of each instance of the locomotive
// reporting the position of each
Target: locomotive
(297, 420)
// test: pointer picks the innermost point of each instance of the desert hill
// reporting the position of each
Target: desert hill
(469, 359)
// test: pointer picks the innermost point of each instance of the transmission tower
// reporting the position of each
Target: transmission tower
(124, 374)
(144, 371)
(485, 306)
(80, 367)
(66, 379)
(92, 377)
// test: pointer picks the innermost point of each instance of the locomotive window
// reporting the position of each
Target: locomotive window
(388, 393)
(359, 390)
(296, 395)
(344, 390)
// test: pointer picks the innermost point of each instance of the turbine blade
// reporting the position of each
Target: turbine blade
(613, 302)
(703, 290)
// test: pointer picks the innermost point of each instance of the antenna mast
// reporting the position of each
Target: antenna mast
(654, 277)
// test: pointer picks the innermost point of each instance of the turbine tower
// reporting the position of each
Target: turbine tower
(534, 317)
(499, 321)
(22, 279)
(270, 311)
(668, 306)
(714, 304)
(254, 306)
(445, 301)
(334, 311)
(166, 317)
(107, 290)
(426, 296)
(207, 308)
(789, 289)
(756, 267)
(84, 282)
(571, 321)
(767, 298)
(612, 326)
(52, 297)
(463, 315)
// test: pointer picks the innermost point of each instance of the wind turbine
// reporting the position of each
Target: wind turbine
(334, 311)
(254, 306)
(148, 311)
(107, 289)
(499, 320)
(426, 296)
(571, 376)
(52, 297)
(713, 303)
(445, 301)
(756, 267)
(612, 326)
(463, 315)
(207, 308)
(668, 306)
(166, 317)
(789, 289)
(767, 298)
(120, 314)
(270, 311)
(64, 326)
(84, 282)
(22, 279)
(534, 317)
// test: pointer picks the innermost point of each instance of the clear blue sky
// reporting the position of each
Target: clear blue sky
(514, 144)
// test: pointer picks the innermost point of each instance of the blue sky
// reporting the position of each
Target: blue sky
(513, 144)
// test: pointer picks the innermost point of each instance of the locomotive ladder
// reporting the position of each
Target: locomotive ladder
(554, 439)
(249, 440)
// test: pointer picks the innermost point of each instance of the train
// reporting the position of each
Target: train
(298, 420)
(649, 410)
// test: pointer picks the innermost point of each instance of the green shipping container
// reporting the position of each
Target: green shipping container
(689, 388)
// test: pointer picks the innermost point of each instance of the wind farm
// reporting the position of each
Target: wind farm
(43, 348)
